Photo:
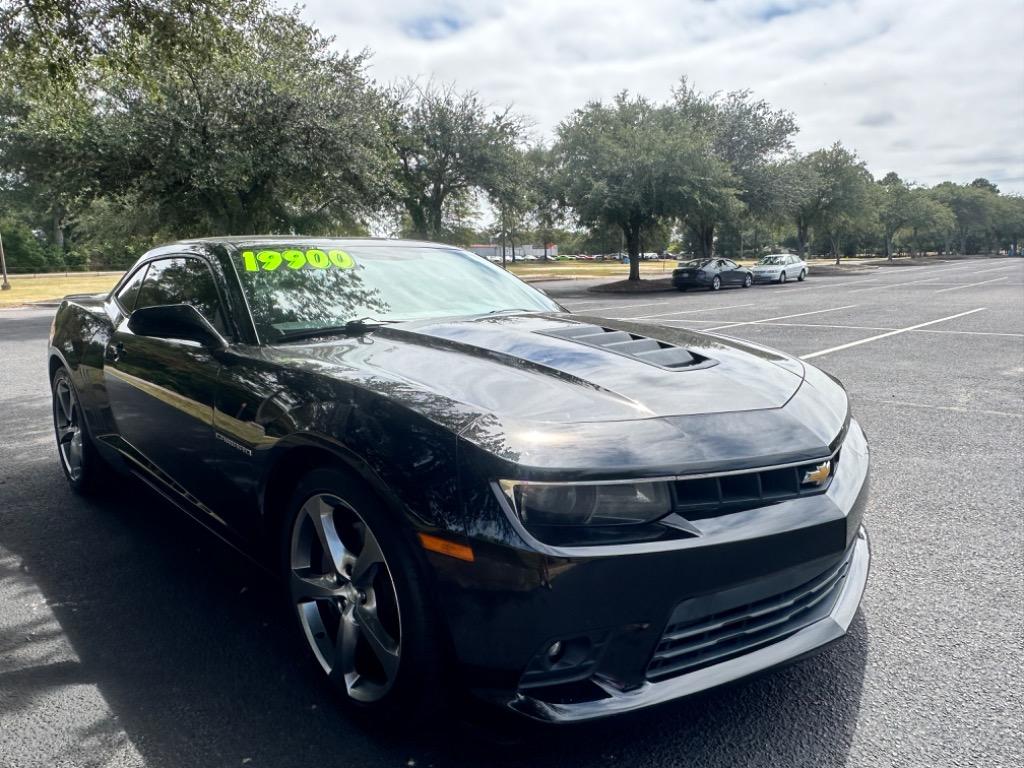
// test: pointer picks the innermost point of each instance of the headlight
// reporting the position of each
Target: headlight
(582, 504)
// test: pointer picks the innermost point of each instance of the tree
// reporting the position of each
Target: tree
(746, 136)
(283, 139)
(973, 205)
(629, 164)
(895, 204)
(54, 40)
(928, 218)
(448, 149)
(841, 200)
(1009, 223)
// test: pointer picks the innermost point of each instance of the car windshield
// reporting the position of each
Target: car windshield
(772, 260)
(298, 287)
(694, 263)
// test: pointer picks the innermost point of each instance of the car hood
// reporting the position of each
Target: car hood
(522, 385)
(565, 368)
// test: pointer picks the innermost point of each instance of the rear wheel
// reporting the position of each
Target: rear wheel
(716, 283)
(782, 278)
(803, 274)
(356, 591)
(83, 466)
(747, 281)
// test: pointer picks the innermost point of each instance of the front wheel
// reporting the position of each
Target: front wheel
(803, 275)
(747, 281)
(357, 593)
(83, 466)
(716, 283)
(782, 278)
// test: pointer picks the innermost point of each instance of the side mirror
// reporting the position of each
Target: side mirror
(174, 321)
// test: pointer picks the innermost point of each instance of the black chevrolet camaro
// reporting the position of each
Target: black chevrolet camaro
(465, 487)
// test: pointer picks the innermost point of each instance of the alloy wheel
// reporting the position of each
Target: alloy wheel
(782, 277)
(716, 283)
(67, 423)
(345, 597)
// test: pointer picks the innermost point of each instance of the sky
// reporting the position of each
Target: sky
(931, 89)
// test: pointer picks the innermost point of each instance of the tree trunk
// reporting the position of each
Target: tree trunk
(963, 242)
(706, 238)
(802, 230)
(58, 227)
(632, 233)
(836, 249)
(888, 246)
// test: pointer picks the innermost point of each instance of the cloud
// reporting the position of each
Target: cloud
(926, 88)
(875, 119)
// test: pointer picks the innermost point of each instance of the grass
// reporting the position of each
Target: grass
(53, 287)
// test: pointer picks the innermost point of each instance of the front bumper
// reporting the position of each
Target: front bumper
(613, 609)
(803, 643)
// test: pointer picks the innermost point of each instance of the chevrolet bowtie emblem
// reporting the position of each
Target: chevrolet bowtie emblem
(818, 475)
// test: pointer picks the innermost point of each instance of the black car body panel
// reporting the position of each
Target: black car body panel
(434, 413)
(692, 275)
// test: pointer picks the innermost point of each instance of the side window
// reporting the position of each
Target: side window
(182, 281)
(130, 290)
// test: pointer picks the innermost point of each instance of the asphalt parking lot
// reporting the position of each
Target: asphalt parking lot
(129, 637)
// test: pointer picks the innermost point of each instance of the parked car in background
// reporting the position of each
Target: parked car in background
(780, 267)
(711, 274)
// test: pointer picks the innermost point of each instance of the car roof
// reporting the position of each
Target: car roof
(247, 241)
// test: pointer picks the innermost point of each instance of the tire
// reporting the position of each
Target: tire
(782, 278)
(802, 276)
(716, 283)
(86, 471)
(397, 669)
(748, 281)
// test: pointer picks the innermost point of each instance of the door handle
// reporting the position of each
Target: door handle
(114, 352)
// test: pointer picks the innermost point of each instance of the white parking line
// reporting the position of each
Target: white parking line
(896, 285)
(687, 312)
(780, 317)
(890, 333)
(971, 285)
(615, 306)
(862, 328)
(955, 408)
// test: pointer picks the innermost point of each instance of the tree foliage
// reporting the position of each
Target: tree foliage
(630, 163)
(449, 148)
(123, 124)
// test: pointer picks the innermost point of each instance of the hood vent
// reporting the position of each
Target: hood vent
(634, 346)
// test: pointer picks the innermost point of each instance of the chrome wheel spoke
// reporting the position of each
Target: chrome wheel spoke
(307, 585)
(321, 514)
(344, 663)
(380, 642)
(370, 557)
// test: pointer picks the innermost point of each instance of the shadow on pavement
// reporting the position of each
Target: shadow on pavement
(187, 643)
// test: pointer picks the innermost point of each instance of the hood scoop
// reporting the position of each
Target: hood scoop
(634, 346)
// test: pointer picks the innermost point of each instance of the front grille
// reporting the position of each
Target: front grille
(689, 646)
(703, 497)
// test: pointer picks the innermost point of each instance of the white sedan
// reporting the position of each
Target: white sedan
(779, 267)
